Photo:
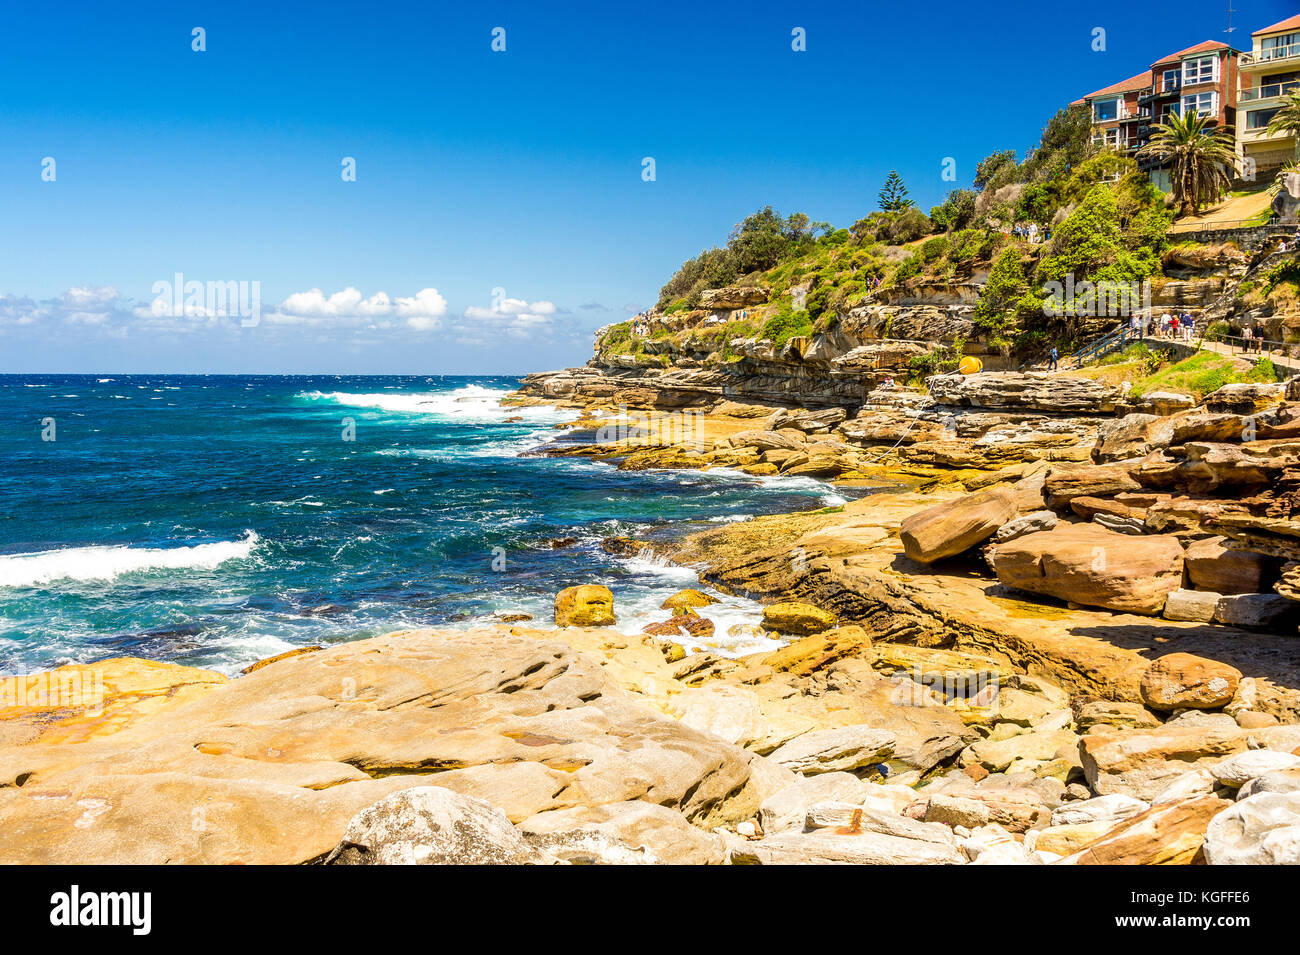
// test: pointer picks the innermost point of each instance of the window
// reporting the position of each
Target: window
(1105, 109)
(1259, 118)
(1169, 81)
(1203, 103)
(1203, 69)
(1277, 47)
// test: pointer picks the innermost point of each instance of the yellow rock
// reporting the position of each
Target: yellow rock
(687, 598)
(588, 605)
(796, 618)
(76, 703)
(812, 653)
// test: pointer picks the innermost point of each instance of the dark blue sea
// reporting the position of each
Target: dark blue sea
(213, 521)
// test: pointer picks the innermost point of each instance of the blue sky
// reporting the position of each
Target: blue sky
(499, 213)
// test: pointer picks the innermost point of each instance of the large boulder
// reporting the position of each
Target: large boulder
(1213, 565)
(1037, 391)
(588, 605)
(1060, 487)
(799, 619)
(1263, 829)
(427, 825)
(954, 527)
(842, 749)
(1169, 834)
(1087, 564)
(1132, 436)
(1179, 681)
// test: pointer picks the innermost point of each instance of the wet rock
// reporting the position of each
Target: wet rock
(797, 618)
(681, 625)
(588, 605)
(686, 598)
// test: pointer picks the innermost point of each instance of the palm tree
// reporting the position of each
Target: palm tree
(1201, 159)
(1287, 118)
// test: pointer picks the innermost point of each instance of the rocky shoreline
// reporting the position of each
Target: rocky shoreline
(1058, 630)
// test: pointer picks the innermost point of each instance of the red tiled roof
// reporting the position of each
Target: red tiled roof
(1139, 82)
(1199, 48)
(1287, 24)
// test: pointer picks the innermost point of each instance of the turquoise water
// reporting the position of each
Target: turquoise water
(213, 521)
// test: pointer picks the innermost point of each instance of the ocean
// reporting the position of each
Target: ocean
(216, 520)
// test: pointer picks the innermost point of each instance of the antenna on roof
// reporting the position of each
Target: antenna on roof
(1230, 13)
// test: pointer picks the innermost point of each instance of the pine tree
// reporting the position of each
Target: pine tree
(893, 195)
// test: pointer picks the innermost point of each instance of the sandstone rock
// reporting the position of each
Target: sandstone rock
(994, 845)
(1067, 839)
(1191, 605)
(1026, 524)
(851, 819)
(957, 810)
(1143, 763)
(1257, 611)
(1288, 585)
(805, 420)
(1122, 714)
(1060, 487)
(954, 527)
(796, 618)
(1132, 436)
(622, 833)
(1281, 781)
(1089, 565)
(788, 808)
(1169, 834)
(996, 757)
(681, 625)
(1212, 565)
(588, 605)
(1104, 809)
(1183, 680)
(1016, 809)
(427, 825)
(826, 846)
(1197, 782)
(810, 654)
(730, 713)
(734, 296)
(270, 768)
(687, 598)
(1038, 391)
(1236, 771)
(1261, 830)
(842, 749)
(1244, 399)
(768, 440)
(1205, 426)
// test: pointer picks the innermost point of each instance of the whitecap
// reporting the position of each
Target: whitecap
(108, 563)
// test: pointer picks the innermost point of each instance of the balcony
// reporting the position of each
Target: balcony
(1272, 91)
(1260, 59)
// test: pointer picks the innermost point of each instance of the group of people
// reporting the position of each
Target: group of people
(1032, 233)
(1252, 338)
(640, 325)
(1170, 327)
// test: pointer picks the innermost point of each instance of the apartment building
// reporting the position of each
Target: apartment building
(1203, 78)
(1269, 73)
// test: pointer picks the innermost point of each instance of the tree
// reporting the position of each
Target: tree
(956, 211)
(1287, 118)
(1200, 157)
(893, 195)
(997, 169)
(1005, 299)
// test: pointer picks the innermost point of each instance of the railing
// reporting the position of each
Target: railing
(1225, 225)
(1103, 346)
(1271, 55)
(1268, 92)
(1259, 347)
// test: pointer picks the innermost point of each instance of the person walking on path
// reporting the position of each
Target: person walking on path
(1052, 356)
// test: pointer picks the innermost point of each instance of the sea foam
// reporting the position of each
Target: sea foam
(108, 563)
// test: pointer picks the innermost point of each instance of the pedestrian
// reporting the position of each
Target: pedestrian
(1246, 335)
(1173, 327)
(1052, 356)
